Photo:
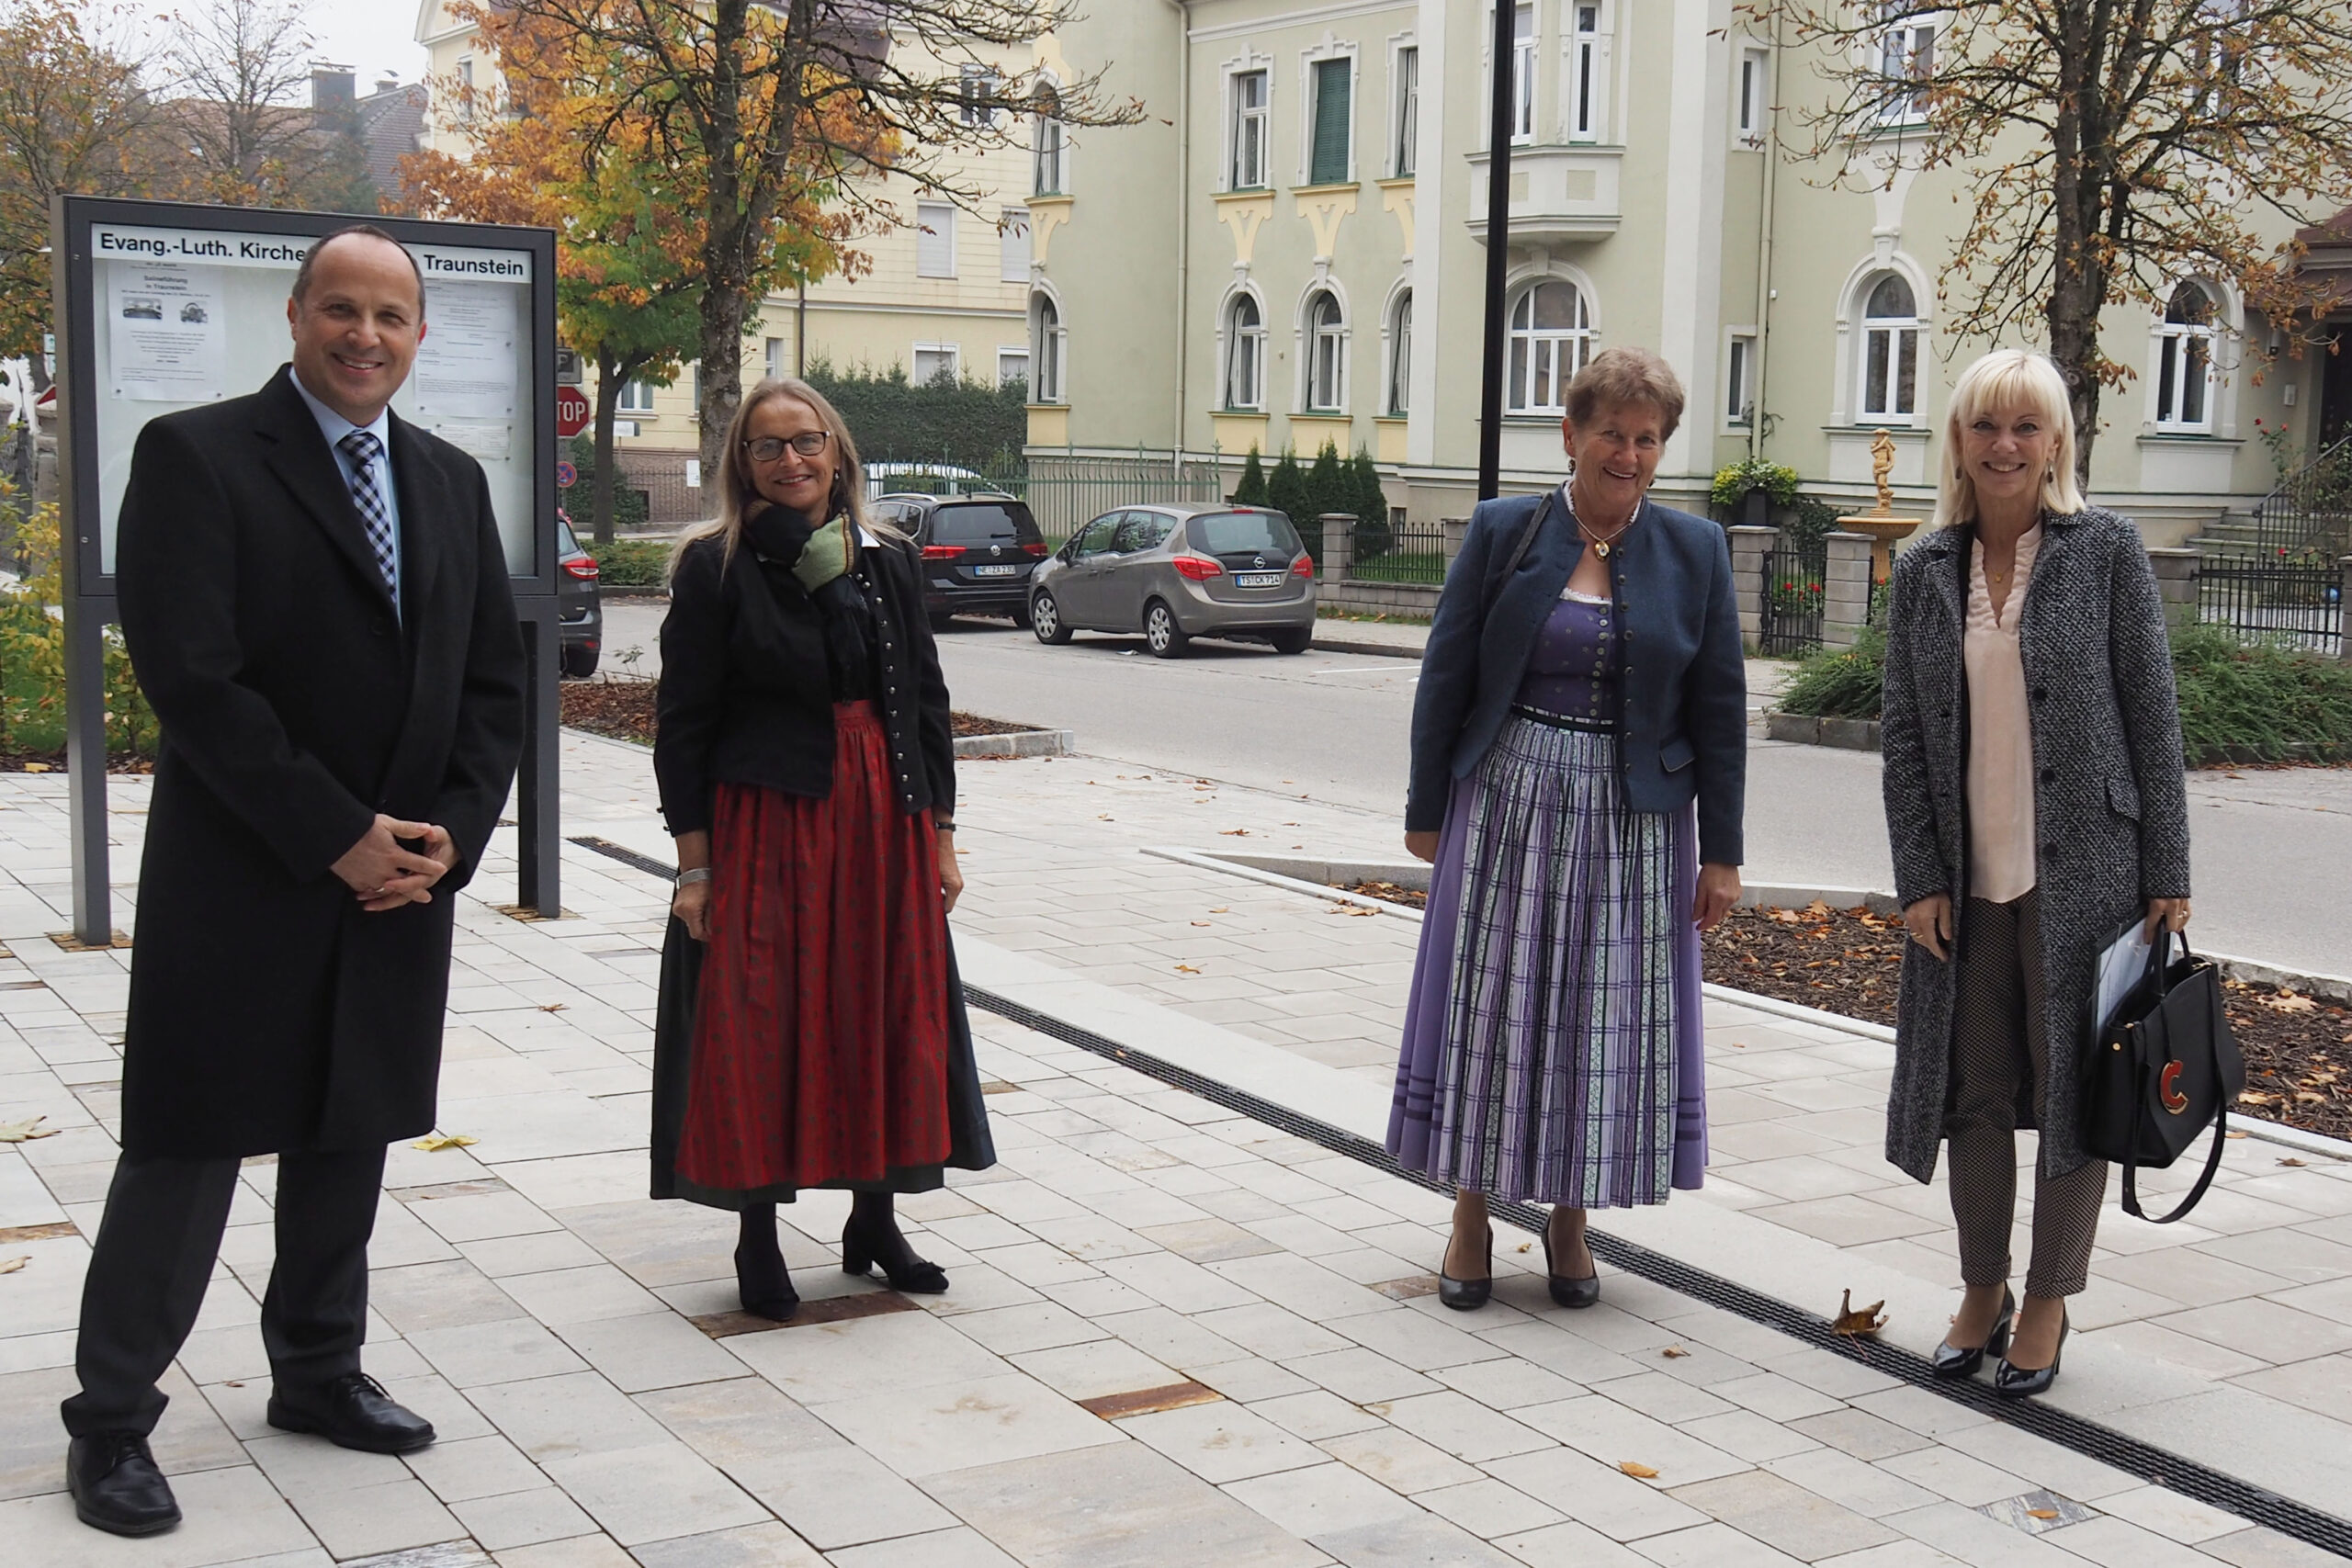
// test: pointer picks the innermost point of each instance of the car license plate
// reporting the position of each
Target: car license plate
(1259, 579)
(994, 571)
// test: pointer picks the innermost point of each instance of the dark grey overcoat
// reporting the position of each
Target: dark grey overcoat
(2110, 810)
(268, 1012)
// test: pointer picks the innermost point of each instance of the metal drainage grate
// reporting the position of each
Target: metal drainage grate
(2159, 1466)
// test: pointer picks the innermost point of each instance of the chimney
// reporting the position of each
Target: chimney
(333, 86)
(389, 82)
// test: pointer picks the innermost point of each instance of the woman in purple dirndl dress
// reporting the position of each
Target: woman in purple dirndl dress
(1579, 764)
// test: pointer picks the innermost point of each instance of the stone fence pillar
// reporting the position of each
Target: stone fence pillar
(2177, 582)
(1338, 545)
(1845, 589)
(1456, 530)
(1749, 546)
(2344, 609)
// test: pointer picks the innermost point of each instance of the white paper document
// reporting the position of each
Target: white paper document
(467, 368)
(2122, 965)
(165, 339)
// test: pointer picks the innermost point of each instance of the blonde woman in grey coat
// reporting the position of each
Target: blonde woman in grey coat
(2035, 802)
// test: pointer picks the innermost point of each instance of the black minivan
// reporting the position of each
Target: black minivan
(978, 552)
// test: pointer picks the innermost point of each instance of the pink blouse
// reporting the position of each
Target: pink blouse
(2000, 734)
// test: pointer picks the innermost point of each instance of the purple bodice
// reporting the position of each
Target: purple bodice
(1573, 669)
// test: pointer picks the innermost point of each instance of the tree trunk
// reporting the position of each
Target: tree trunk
(2078, 277)
(724, 308)
(609, 382)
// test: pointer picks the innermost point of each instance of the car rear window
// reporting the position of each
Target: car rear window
(984, 522)
(1232, 533)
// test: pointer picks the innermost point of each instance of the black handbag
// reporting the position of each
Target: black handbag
(2162, 1068)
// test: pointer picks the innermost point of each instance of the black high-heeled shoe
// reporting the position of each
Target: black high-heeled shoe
(1952, 1363)
(1572, 1293)
(2022, 1382)
(862, 1249)
(1466, 1295)
(765, 1284)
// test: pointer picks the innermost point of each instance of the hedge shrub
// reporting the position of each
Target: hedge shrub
(958, 420)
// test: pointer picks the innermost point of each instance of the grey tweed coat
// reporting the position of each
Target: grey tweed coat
(2110, 810)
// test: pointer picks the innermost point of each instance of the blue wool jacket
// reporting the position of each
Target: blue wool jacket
(1682, 688)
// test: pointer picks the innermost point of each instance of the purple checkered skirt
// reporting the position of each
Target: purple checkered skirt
(1554, 1044)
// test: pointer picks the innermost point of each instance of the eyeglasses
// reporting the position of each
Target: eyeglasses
(768, 448)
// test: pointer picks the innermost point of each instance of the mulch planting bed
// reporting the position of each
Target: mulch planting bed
(14, 760)
(624, 709)
(2297, 1048)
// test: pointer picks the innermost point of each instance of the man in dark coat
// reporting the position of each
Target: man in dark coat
(316, 603)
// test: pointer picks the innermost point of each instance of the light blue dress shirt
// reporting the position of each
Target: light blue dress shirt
(335, 427)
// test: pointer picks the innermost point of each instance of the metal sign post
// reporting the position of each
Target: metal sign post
(162, 305)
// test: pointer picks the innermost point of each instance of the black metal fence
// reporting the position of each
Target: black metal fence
(1064, 492)
(1398, 550)
(1795, 572)
(2296, 601)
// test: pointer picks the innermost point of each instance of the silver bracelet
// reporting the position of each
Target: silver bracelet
(697, 874)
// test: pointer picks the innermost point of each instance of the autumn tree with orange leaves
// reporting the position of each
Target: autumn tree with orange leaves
(779, 104)
(2106, 151)
(560, 144)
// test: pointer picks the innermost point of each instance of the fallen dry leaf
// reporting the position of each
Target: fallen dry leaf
(1202, 922)
(27, 1129)
(1104, 816)
(1674, 1352)
(1860, 1325)
(1639, 1472)
(2290, 1162)
(36, 767)
(1233, 833)
(2288, 1001)
(1186, 969)
(553, 1007)
(10, 1265)
(1223, 909)
(433, 1143)
(1526, 1245)
(2041, 1513)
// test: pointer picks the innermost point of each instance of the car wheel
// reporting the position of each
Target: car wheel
(1046, 620)
(1160, 633)
(1293, 640)
(578, 662)
(1020, 616)
(941, 620)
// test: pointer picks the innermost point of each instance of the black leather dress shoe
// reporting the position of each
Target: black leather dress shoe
(352, 1412)
(1951, 1363)
(1575, 1293)
(115, 1486)
(2021, 1382)
(1468, 1295)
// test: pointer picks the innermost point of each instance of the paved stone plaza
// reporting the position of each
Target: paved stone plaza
(1175, 1335)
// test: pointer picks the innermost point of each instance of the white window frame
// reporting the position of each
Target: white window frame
(1249, 128)
(1241, 358)
(1752, 95)
(1906, 338)
(1737, 407)
(1404, 108)
(2177, 348)
(1006, 352)
(951, 355)
(1323, 54)
(1048, 144)
(1897, 52)
(1396, 385)
(972, 82)
(1014, 251)
(636, 398)
(772, 358)
(1550, 356)
(1049, 349)
(1323, 357)
(1523, 57)
(935, 239)
(1586, 112)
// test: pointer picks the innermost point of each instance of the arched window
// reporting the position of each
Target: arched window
(1891, 335)
(1550, 338)
(1046, 142)
(2185, 362)
(1245, 355)
(1327, 354)
(1400, 353)
(1048, 343)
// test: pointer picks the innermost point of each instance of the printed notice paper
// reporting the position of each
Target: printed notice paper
(165, 339)
(467, 368)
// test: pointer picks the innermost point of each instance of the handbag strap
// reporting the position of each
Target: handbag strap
(2204, 1179)
(1526, 537)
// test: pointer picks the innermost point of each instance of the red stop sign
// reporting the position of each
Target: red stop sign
(572, 411)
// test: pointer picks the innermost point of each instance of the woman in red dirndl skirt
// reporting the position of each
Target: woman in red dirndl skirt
(811, 1031)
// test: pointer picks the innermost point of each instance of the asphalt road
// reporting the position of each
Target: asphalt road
(2273, 848)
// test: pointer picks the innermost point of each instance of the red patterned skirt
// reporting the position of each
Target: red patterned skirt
(821, 1033)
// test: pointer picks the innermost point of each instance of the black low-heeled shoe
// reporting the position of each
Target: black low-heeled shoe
(2022, 1382)
(1572, 1293)
(860, 1250)
(1466, 1295)
(764, 1285)
(1952, 1363)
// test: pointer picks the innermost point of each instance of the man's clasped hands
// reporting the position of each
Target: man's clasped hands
(384, 872)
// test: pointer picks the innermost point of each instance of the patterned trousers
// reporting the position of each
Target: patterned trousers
(1999, 1046)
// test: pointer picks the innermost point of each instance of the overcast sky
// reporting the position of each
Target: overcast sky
(372, 36)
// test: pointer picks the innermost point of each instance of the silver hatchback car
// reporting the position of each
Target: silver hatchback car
(1177, 572)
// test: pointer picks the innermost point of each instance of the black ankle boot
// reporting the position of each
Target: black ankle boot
(871, 1236)
(761, 1277)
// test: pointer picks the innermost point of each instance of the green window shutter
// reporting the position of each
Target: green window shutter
(1329, 164)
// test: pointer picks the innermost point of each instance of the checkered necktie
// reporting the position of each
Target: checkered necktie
(362, 447)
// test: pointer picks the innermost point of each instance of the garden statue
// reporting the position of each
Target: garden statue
(1880, 522)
